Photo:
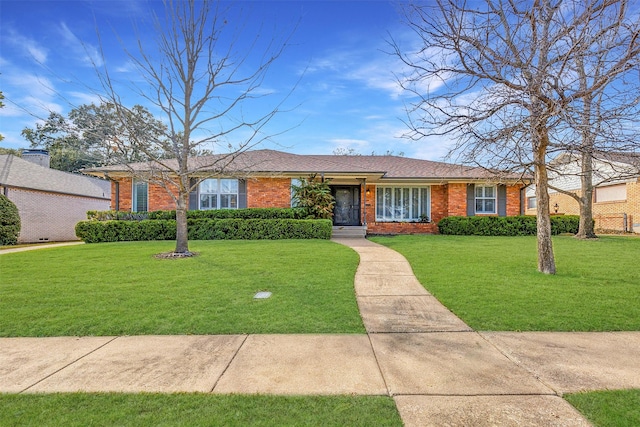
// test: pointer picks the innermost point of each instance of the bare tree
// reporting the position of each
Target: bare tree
(499, 75)
(202, 79)
(604, 71)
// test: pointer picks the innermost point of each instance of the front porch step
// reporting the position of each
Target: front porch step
(352, 232)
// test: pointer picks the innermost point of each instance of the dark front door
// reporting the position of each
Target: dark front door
(347, 208)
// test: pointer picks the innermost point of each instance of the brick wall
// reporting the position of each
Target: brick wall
(49, 216)
(159, 198)
(269, 193)
(456, 199)
(123, 193)
(513, 200)
(608, 216)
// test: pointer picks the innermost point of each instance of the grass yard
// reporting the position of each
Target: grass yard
(620, 408)
(492, 283)
(121, 289)
(141, 410)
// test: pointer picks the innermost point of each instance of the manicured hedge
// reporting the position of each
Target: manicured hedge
(204, 229)
(9, 222)
(250, 213)
(505, 226)
(118, 231)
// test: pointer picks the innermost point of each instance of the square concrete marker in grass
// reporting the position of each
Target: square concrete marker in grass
(26, 361)
(488, 411)
(303, 364)
(163, 364)
(262, 295)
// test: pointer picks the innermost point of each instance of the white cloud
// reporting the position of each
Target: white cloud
(85, 98)
(27, 45)
(88, 54)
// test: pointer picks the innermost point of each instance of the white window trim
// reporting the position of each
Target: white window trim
(134, 195)
(379, 216)
(494, 198)
(218, 193)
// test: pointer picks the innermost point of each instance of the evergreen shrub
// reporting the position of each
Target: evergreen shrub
(9, 222)
(204, 229)
(505, 226)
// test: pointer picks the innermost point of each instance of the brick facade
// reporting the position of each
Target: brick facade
(51, 217)
(158, 197)
(446, 200)
(269, 193)
(514, 200)
(609, 216)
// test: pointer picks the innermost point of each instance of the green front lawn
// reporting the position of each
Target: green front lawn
(620, 408)
(77, 409)
(121, 289)
(492, 283)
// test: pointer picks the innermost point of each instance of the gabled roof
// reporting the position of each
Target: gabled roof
(19, 173)
(624, 159)
(632, 159)
(274, 162)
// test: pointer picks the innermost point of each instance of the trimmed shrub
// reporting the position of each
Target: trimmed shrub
(204, 229)
(9, 221)
(505, 226)
(249, 213)
(118, 231)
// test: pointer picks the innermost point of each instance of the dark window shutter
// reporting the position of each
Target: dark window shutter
(471, 200)
(193, 196)
(502, 200)
(242, 193)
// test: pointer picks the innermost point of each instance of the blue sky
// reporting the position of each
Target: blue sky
(346, 98)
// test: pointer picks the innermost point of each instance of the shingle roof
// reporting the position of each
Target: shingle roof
(271, 161)
(16, 172)
(632, 159)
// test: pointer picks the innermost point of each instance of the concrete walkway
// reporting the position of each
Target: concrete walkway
(438, 370)
(38, 246)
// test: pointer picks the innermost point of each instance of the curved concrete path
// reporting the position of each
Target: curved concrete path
(438, 370)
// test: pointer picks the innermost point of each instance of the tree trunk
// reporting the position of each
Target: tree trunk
(586, 226)
(546, 260)
(182, 239)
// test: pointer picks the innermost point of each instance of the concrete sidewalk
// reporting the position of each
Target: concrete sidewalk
(438, 370)
(38, 246)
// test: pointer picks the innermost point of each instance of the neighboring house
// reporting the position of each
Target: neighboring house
(383, 194)
(50, 202)
(616, 196)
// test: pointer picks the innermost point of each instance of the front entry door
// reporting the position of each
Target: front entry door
(347, 208)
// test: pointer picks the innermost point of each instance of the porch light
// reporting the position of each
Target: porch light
(368, 191)
(555, 207)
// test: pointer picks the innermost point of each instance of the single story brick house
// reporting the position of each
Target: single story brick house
(382, 194)
(50, 202)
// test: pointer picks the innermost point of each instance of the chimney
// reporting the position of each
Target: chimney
(39, 157)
